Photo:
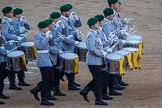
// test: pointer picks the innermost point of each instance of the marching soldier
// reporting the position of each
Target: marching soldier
(9, 35)
(116, 6)
(3, 71)
(44, 62)
(69, 31)
(94, 62)
(109, 30)
(58, 39)
(20, 23)
(107, 43)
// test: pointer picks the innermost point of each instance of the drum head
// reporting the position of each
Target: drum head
(131, 49)
(122, 52)
(114, 57)
(134, 37)
(27, 44)
(69, 56)
(82, 45)
(133, 42)
(15, 54)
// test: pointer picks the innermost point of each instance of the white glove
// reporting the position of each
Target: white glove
(79, 32)
(104, 53)
(73, 16)
(19, 38)
(22, 29)
(109, 50)
(127, 20)
(123, 31)
(49, 34)
(123, 41)
(60, 52)
(8, 51)
(23, 19)
(61, 37)
(112, 35)
(11, 42)
(77, 42)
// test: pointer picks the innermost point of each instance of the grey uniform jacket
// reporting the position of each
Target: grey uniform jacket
(106, 41)
(3, 54)
(108, 28)
(8, 32)
(42, 43)
(95, 49)
(70, 34)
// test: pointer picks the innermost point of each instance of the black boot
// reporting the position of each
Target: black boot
(59, 93)
(35, 91)
(50, 97)
(84, 93)
(118, 87)
(105, 97)
(44, 101)
(122, 83)
(73, 87)
(113, 92)
(76, 84)
(14, 87)
(100, 102)
(1, 103)
(2, 96)
(23, 84)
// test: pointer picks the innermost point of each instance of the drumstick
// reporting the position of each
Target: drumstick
(115, 45)
(12, 49)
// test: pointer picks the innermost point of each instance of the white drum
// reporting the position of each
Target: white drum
(82, 51)
(132, 43)
(14, 60)
(134, 37)
(28, 48)
(68, 61)
(112, 62)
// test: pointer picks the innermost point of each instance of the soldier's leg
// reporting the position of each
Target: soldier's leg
(21, 76)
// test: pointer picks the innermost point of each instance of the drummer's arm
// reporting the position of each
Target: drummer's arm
(40, 42)
(54, 50)
(90, 42)
(69, 40)
(3, 51)
(6, 34)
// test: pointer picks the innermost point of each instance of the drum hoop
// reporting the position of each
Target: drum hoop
(76, 56)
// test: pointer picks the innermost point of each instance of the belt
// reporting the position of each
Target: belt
(42, 51)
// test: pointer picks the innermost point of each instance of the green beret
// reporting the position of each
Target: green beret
(6, 9)
(65, 8)
(55, 15)
(17, 11)
(43, 24)
(112, 1)
(70, 6)
(92, 21)
(50, 21)
(0, 21)
(99, 17)
(108, 11)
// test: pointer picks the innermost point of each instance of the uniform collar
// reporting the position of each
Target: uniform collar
(100, 28)
(64, 17)
(9, 19)
(93, 31)
(106, 20)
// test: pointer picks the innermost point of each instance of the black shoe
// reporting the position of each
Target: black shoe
(118, 87)
(23, 84)
(46, 102)
(14, 87)
(123, 83)
(34, 92)
(2, 96)
(1, 103)
(59, 94)
(76, 84)
(114, 93)
(100, 102)
(73, 88)
(107, 97)
(84, 94)
(50, 97)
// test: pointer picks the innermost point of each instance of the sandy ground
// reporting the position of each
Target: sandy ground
(145, 86)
